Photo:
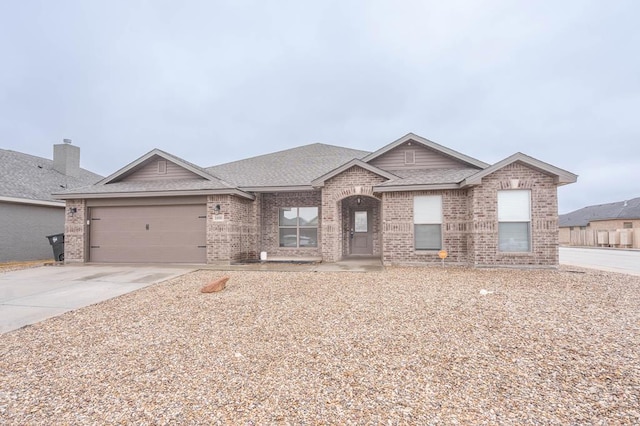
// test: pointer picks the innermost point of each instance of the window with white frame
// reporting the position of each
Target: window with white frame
(427, 222)
(298, 227)
(514, 220)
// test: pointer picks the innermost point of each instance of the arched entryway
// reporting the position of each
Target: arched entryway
(361, 224)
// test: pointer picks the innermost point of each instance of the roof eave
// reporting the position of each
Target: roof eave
(561, 176)
(128, 194)
(29, 201)
(420, 187)
(286, 188)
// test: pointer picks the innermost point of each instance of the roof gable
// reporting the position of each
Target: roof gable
(149, 167)
(346, 166)
(140, 179)
(561, 176)
(433, 155)
(158, 168)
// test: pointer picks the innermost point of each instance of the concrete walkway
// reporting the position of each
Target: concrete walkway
(31, 295)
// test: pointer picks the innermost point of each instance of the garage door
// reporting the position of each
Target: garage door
(149, 234)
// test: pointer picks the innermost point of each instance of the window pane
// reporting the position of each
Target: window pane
(289, 217)
(513, 236)
(514, 206)
(361, 221)
(308, 237)
(308, 216)
(288, 237)
(428, 237)
(427, 209)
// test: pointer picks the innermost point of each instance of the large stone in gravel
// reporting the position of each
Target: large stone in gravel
(214, 286)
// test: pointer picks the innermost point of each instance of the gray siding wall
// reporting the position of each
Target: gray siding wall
(150, 172)
(424, 159)
(23, 231)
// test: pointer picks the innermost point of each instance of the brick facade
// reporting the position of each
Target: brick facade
(270, 233)
(398, 228)
(232, 231)
(483, 247)
(75, 232)
(241, 228)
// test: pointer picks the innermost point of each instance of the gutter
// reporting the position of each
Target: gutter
(32, 202)
(85, 195)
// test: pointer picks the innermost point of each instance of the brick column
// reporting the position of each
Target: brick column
(75, 231)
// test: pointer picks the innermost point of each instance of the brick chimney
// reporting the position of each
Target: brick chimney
(66, 158)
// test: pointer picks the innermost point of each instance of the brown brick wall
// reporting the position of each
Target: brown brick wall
(75, 232)
(398, 235)
(544, 218)
(271, 205)
(236, 236)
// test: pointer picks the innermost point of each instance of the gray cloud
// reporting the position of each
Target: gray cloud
(216, 81)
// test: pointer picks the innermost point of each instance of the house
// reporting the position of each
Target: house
(28, 212)
(612, 224)
(402, 203)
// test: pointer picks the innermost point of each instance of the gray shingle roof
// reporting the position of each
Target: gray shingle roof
(629, 209)
(429, 177)
(292, 167)
(30, 177)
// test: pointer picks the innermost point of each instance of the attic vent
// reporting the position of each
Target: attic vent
(162, 167)
(410, 157)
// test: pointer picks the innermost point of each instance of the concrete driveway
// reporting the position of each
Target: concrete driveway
(32, 295)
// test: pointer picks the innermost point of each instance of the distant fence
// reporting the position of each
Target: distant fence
(622, 238)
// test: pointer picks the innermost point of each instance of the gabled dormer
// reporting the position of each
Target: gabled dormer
(158, 165)
(413, 152)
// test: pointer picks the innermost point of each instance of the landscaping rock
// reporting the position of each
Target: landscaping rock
(215, 286)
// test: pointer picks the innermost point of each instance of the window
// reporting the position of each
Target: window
(514, 220)
(427, 222)
(627, 225)
(298, 227)
(360, 219)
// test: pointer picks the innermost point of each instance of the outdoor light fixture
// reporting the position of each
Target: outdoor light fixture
(73, 210)
(217, 208)
(359, 200)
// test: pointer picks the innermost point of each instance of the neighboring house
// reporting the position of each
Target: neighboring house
(28, 212)
(402, 203)
(612, 224)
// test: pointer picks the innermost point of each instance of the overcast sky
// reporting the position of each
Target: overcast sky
(217, 81)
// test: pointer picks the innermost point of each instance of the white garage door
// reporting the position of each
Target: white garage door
(148, 234)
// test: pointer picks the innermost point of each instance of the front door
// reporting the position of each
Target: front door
(361, 236)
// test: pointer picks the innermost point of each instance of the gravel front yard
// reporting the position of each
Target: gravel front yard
(403, 346)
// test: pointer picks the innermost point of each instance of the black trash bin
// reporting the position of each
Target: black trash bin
(57, 242)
